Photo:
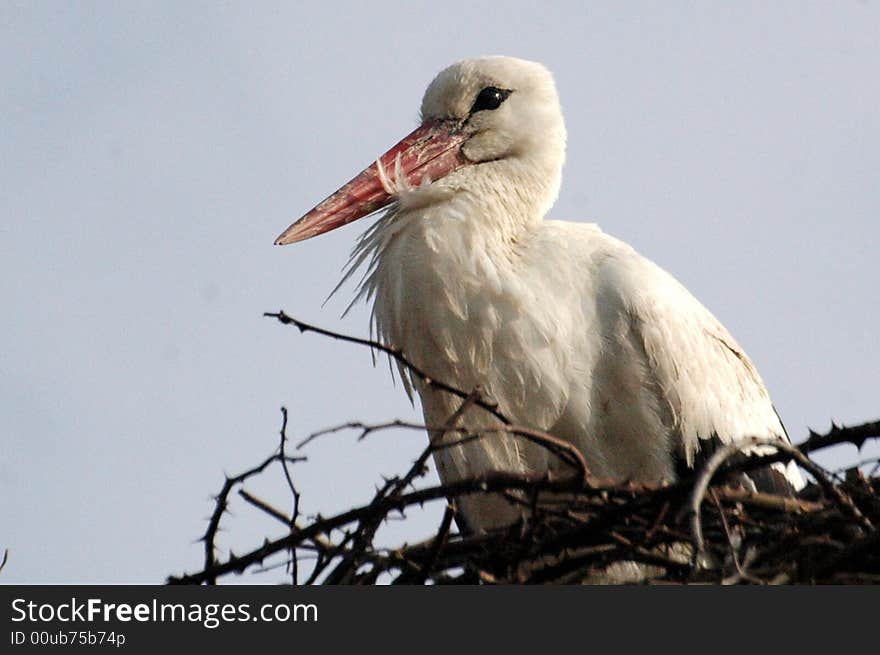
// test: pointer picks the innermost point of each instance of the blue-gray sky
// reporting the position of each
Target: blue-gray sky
(150, 153)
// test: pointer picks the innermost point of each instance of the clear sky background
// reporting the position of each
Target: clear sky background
(151, 152)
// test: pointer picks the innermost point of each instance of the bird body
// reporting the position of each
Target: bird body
(568, 329)
(596, 345)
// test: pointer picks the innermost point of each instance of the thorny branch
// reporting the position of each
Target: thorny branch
(397, 355)
(222, 499)
(573, 526)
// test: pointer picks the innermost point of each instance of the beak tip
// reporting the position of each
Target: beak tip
(287, 237)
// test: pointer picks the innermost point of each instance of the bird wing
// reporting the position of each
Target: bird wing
(707, 391)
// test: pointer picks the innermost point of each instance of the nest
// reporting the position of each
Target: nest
(575, 528)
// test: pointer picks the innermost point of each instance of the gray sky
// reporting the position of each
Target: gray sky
(150, 154)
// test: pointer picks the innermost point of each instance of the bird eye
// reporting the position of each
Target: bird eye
(489, 98)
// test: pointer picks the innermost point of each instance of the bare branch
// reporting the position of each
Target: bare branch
(396, 354)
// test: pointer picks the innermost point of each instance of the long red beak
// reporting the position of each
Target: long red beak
(431, 151)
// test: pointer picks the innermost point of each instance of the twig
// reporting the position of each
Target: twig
(221, 503)
(439, 542)
(856, 435)
(728, 451)
(395, 353)
(741, 573)
(265, 507)
(564, 450)
(294, 565)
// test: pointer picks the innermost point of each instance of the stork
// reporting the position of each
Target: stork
(566, 328)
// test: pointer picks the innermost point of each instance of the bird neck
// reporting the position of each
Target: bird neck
(436, 257)
(510, 195)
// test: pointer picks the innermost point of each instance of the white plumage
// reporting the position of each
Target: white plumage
(568, 329)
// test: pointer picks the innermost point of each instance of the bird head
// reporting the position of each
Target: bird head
(487, 124)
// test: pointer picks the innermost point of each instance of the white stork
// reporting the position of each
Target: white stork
(568, 329)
